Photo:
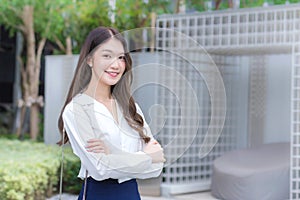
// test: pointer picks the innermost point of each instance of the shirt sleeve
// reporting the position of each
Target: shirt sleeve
(100, 166)
(155, 168)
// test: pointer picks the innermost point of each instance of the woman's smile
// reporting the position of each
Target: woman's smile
(112, 73)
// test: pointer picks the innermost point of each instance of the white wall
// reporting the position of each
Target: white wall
(58, 74)
(277, 127)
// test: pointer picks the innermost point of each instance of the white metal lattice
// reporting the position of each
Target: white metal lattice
(257, 99)
(240, 29)
(295, 125)
(270, 30)
(188, 172)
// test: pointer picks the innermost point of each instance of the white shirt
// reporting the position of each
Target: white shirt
(86, 118)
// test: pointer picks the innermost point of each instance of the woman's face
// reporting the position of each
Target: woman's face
(108, 62)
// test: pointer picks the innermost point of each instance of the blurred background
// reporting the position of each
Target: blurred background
(253, 44)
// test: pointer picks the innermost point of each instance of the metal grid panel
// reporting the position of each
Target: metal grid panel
(188, 169)
(260, 27)
(245, 31)
(295, 126)
(257, 99)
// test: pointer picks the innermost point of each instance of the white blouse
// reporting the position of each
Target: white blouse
(86, 118)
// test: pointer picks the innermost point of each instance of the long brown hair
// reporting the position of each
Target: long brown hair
(122, 88)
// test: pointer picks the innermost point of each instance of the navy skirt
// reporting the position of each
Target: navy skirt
(110, 189)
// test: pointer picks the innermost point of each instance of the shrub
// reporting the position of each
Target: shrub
(71, 183)
(30, 170)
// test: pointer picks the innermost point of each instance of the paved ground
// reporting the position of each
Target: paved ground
(64, 197)
(192, 196)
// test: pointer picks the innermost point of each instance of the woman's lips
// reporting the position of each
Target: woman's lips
(112, 74)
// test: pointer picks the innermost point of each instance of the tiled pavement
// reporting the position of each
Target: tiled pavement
(191, 196)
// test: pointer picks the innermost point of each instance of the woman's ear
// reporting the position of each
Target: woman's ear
(89, 61)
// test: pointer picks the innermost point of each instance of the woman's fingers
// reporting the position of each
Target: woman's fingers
(94, 140)
(95, 149)
(96, 145)
(155, 151)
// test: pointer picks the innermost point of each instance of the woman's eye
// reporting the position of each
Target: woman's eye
(122, 57)
(106, 56)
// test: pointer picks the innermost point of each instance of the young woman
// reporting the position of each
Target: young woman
(104, 125)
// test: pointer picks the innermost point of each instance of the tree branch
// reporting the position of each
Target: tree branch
(23, 74)
(37, 70)
(41, 45)
(69, 45)
(59, 44)
(28, 21)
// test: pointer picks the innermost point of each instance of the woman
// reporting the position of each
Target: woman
(104, 125)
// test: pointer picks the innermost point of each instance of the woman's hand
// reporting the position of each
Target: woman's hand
(96, 146)
(155, 151)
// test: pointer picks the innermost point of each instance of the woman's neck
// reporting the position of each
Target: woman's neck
(99, 92)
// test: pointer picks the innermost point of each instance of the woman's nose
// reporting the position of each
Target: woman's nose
(116, 63)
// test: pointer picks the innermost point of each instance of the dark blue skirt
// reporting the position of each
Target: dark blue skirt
(110, 189)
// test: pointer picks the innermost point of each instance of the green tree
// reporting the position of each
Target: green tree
(37, 21)
(89, 14)
(137, 14)
(64, 26)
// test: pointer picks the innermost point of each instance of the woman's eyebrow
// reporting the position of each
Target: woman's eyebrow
(107, 50)
(110, 51)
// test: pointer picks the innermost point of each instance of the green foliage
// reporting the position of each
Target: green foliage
(197, 5)
(251, 3)
(87, 14)
(8, 18)
(137, 14)
(11, 13)
(280, 2)
(71, 183)
(201, 5)
(29, 170)
(53, 18)
(58, 19)
(7, 135)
